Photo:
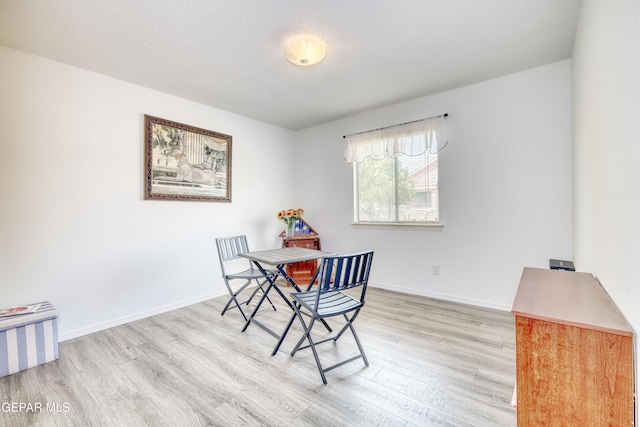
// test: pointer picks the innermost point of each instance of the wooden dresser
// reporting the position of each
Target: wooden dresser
(574, 353)
(304, 237)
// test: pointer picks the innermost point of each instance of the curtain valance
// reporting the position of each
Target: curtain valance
(411, 139)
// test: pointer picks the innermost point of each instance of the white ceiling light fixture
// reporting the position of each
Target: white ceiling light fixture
(305, 50)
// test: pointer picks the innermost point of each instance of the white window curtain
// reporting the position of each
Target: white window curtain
(411, 139)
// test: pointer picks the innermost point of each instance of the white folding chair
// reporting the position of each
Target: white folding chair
(238, 272)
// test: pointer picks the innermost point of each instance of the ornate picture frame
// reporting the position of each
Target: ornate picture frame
(184, 162)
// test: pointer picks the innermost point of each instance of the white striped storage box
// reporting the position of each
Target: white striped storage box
(28, 340)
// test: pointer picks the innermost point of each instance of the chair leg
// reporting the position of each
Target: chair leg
(349, 325)
(312, 344)
(227, 308)
(364, 356)
(306, 329)
(234, 299)
(315, 355)
(307, 335)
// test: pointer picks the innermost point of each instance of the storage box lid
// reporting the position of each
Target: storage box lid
(46, 311)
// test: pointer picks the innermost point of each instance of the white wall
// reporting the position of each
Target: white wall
(74, 228)
(606, 149)
(505, 188)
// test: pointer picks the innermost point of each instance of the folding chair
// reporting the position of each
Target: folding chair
(236, 268)
(338, 274)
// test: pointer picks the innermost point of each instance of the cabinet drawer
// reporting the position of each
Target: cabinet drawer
(302, 243)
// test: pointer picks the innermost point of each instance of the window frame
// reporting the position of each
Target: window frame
(423, 137)
(394, 224)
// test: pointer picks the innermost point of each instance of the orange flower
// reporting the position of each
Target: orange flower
(287, 215)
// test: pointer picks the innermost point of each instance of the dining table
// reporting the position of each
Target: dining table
(265, 261)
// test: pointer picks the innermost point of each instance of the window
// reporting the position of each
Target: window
(395, 173)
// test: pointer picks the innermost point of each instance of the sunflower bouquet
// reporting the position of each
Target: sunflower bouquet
(290, 216)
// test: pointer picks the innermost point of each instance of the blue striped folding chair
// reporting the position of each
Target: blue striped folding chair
(338, 275)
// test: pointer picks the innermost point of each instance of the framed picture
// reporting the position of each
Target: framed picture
(183, 162)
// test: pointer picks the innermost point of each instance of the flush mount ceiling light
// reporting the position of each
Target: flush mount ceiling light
(304, 50)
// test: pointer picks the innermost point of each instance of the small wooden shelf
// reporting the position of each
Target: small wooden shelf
(304, 237)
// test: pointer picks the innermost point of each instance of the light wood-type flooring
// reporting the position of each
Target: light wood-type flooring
(432, 363)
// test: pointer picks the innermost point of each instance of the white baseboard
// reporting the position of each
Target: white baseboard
(122, 320)
(444, 297)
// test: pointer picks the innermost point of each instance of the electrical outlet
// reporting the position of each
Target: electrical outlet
(435, 270)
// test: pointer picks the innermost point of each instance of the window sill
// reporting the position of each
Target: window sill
(399, 226)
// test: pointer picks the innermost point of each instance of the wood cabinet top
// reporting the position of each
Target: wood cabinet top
(570, 298)
(302, 237)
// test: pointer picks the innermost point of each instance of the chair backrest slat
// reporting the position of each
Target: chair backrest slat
(345, 272)
(230, 247)
(229, 250)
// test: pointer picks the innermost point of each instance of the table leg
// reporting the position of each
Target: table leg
(293, 283)
(271, 279)
(284, 334)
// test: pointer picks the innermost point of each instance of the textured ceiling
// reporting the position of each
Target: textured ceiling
(228, 53)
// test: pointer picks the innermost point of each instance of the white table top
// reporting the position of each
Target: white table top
(284, 255)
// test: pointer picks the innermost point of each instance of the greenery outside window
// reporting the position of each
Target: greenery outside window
(395, 173)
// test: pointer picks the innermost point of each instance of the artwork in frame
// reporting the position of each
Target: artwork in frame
(184, 162)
